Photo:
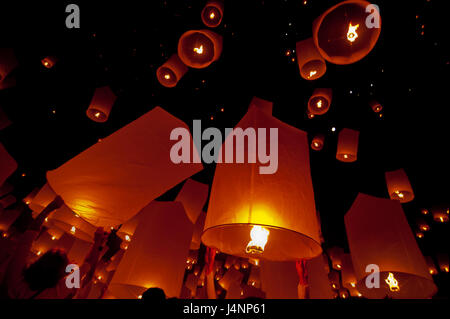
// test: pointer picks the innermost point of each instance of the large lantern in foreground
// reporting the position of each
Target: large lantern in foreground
(199, 48)
(347, 148)
(101, 104)
(212, 13)
(399, 187)
(346, 32)
(379, 234)
(310, 63)
(171, 71)
(320, 101)
(260, 213)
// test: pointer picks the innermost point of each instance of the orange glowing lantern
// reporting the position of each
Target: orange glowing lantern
(348, 273)
(375, 106)
(7, 164)
(212, 13)
(319, 284)
(379, 234)
(335, 254)
(199, 48)
(271, 216)
(157, 255)
(263, 105)
(8, 62)
(49, 61)
(345, 33)
(320, 101)
(279, 280)
(193, 196)
(344, 293)
(398, 186)
(310, 63)
(423, 225)
(231, 277)
(101, 104)
(443, 263)
(431, 266)
(333, 277)
(440, 215)
(171, 71)
(254, 279)
(347, 148)
(317, 142)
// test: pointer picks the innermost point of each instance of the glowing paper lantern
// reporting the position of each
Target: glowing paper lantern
(212, 13)
(7, 201)
(113, 180)
(398, 186)
(27, 199)
(4, 120)
(231, 277)
(378, 233)
(347, 148)
(193, 196)
(335, 254)
(343, 293)
(440, 215)
(333, 277)
(348, 273)
(319, 284)
(254, 279)
(423, 225)
(320, 101)
(375, 106)
(431, 267)
(7, 164)
(171, 71)
(8, 62)
(272, 212)
(310, 63)
(44, 242)
(49, 62)
(199, 48)
(317, 142)
(443, 262)
(342, 33)
(157, 255)
(279, 280)
(263, 105)
(101, 104)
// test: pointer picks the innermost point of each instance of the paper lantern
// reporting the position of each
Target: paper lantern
(334, 278)
(199, 48)
(310, 63)
(7, 201)
(344, 293)
(348, 273)
(8, 62)
(7, 164)
(274, 213)
(4, 120)
(317, 142)
(231, 276)
(378, 233)
(230, 261)
(318, 282)
(8, 217)
(440, 215)
(431, 266)
(5, 189)
(101, 104)
(279, 280)
(398, 186)
(347, 148)
(320, 101)
(342, 34)
(193, 196)
(423, 225)
(212, 13)
(443, 262)
(157, 255)
(44, 242)
(254, 279)
(263, 105)
(27, 199)
(112, 181)
(171, 71)
(79, 251)
(335, 254)
(375, 106)
(49, 62)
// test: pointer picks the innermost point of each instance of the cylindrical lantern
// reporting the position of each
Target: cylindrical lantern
(348, 273)
(199, 48)
(431, 266)
(375, 106)
(333, 277)
(193, 196)
(347, 148)
(264, 215)
(8, 62)
(310, 63)
(335, 254)
(379, 234)
(423, 225)
(344, 293)
(171, 71)
(101, 104)
(279, 280)
(231, 276)
(318, 282)
(254, 279)
(399, 187)
(49, 61)
(440, 215)
(212, 13)
(7, 164)
(317, 142)
(157, 255)
(320, 101)
(443, 263)
(345, 33)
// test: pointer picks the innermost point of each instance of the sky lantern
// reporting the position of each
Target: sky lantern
(193, 196)
(112, 181)
(171, 71)
(27, 199)
(231, 276)
(431, 266)
(318, 282)
(279, 280)
(212, 13)
(347, 147)
(268, 216)
(320, 101)
(317, 142)
(346, 33)
(101, 104)
(440, 215)
(157, 255)
(378, 233)
(49, 62)
(398, 185)
(310, 63)
(7, 164)
(8, 62)
(376, 106)
(335, 254)
(443, 263)
(199, 48)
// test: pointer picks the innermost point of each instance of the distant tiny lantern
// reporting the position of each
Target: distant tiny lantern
(317, 142)
(342, 35)
(311, 64)
(443, 262)
(440, 215)
(431, 266)
(49, 62)
(375, 106)
(212, 13)
(422, 224)
(171, 71)
(335, 254)
(320, 101)
(101, 104)
(199, 48)
(398, 186)
(347, 148)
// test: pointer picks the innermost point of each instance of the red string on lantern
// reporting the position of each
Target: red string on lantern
(209, 259)
(302, 272)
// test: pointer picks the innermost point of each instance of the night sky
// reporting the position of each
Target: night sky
(122, 43)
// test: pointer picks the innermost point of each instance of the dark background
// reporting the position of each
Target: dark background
(122, 43)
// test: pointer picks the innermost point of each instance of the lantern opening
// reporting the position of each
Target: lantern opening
(392, 282)
(168, 77)
(259, 236)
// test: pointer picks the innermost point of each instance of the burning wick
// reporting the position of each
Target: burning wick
(199, 50)
(259, 236)
(167, 76)
(351, 34)
(97, 115)
(73, 229)
(319, 104)
(312, 73)
(212, 15)
(392, 282)
(399, 194)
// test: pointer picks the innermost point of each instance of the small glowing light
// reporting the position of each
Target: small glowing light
(311, 116)
(351, 34)
(353, 284)
(312, 73)
(212, 118)
(127, 238)
(167, 76)
(424, 227)
(345, 156)
(259, 236)
(359, 294)
(46, 219)
(338, 266)
(39, 253)
(419, 235)
(392, 282)
(77, 216)
(23, 175)
(73, 230)
(399, 194)
(425, 212)
(5, 235)
(27, 202)
(431, 271)
(333, 129)
(222, 110)
(140, 297)
(53, 237)
(441, 219)
(446, 269)
(46, 64)
(97, 115)
(212, 15)
(199, 50)
(334, 286)
(319, 104)
(316, 144)
(253, 283)
(99, 277)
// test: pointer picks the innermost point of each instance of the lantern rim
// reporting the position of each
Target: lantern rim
(317, 65)
(91, 114)
(79, 233)
(162, 72)
(215, 5)
(216, 41)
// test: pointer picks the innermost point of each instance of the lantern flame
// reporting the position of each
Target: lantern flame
(399, 194)
(73, 230)
(312, 73)
(392, 282)
(199, 50)
(97, 115)
(167, 76)
(319, 104)
(212, 15)
(351, 34)
(259, 236)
